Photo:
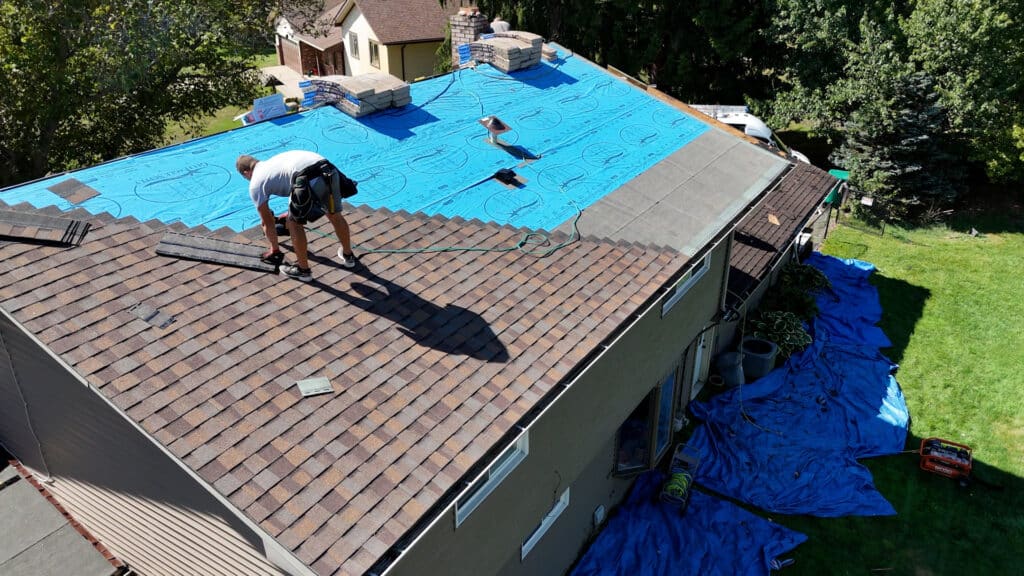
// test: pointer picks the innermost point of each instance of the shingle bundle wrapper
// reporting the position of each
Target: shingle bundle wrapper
(361, 95)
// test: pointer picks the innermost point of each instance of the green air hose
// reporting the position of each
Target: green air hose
(675, 490)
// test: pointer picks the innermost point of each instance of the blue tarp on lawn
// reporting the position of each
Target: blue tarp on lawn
(647, 538)
(789, 442)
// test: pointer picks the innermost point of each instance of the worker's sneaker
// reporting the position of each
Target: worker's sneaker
(347, 260)
(297, 272)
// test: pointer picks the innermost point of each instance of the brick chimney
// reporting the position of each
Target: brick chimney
(466, 27)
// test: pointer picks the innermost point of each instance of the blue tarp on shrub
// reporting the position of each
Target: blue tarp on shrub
(789, 442)
(646, 537)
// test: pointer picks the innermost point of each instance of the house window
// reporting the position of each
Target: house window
(374, 54)
(632, 443)
(646, 434)
(545, 524)
(489, 480)
(353, 45)
(685, 283)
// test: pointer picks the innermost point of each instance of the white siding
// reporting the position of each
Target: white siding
(356, 22)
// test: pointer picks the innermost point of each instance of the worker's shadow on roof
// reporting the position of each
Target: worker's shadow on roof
(449, 328)
(398, 122)
(543, 76)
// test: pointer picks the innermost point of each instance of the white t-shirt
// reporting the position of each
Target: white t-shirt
(273, 176)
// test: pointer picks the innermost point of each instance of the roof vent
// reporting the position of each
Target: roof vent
(152, 315)
(314, 386)
(494, 127)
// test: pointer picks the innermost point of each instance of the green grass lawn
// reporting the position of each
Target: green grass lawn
(954, 307)
(224, 119)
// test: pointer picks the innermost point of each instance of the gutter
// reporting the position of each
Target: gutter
(443, 507)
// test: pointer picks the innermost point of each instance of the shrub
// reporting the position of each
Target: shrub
(783, 328)
(804, 277)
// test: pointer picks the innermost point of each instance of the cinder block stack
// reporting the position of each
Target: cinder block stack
(361, 95)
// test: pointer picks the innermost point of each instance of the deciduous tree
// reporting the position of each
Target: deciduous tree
(83, 81)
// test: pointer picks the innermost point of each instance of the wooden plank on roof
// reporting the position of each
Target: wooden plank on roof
(42, 228)
(204, 249)
(74, 191)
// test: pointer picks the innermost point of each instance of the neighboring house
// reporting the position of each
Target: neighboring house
(352, 37)
(487, 409)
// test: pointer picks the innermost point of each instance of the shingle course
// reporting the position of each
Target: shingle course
(433, 357)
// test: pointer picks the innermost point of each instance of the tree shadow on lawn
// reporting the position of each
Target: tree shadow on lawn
(902, 307)
(940, 527)
(990, 209)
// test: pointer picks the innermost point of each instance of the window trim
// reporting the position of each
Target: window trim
(353, 45)
(686, 282)
(374, 54)
(545, 524)
(489, 479)
(672, 376)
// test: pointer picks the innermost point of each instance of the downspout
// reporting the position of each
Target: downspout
(402, 53)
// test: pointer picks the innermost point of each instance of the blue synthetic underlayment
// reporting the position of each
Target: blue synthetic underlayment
(789, 442)
(646, 537)
(591, 132)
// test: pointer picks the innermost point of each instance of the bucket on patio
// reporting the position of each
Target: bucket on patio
(758, 357)
(730, 366)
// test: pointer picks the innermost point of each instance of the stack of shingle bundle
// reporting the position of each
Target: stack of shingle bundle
(361, 95)
(510, 50)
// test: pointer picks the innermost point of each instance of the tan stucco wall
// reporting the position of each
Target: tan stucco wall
(571, 444)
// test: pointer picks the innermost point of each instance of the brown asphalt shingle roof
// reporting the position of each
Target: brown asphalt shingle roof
(392, 21)
(404, 21)
(433, 358)
(757, 241)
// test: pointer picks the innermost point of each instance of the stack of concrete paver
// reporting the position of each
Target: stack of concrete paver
(361, 95)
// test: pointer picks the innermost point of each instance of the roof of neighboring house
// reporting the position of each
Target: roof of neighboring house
(320, 31)
(407, 21)
(392, 21)
(39, 537)
(433, 358)
(770, 228)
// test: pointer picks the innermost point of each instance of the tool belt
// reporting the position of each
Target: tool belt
(318, 189)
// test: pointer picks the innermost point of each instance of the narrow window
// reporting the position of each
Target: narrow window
(502, 466)
(666, 397)
(685, 283)
(353, 45)
(374, 54)
(545, 524)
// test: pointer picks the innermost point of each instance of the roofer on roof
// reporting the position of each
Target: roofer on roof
(311, 176)
(499, 25)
